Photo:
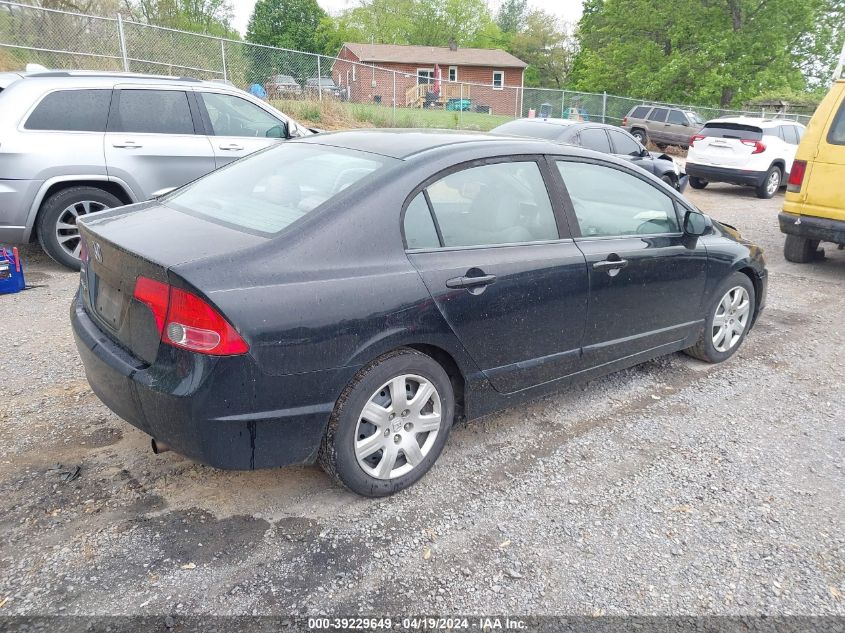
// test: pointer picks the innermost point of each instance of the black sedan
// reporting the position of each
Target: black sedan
(346, 297)
(607, 139)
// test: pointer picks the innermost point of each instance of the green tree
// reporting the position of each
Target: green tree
(512, 15)
(287, 24)
(212, 17)
(546, 45)
(709, 52)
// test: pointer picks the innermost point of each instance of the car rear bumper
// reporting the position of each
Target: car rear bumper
(16, 197)
(221, 411)
(812, 228)
(725, 174)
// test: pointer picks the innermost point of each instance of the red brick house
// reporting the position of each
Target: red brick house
(491, 79)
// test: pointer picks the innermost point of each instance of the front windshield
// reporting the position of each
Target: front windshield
(268, 191)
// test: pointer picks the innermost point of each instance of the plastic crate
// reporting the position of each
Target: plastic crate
(11, 271)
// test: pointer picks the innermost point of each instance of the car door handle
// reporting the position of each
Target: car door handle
(127, 145)
(470, 282)
(610, 264)
(232, 147)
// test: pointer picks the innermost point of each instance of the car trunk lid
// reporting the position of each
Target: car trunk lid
(144, 240)
(726, 144)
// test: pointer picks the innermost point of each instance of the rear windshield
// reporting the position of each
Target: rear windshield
(639, 112)
(732, 130)
(534, 129)
(270, 190)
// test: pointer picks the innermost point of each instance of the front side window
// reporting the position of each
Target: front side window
(498, 79)
(153, 112)
(676, 117)
(502, 203)
(71, 111)
(233, 116)
(610, 202)
(269, 190)
(658, 115)
(624, 144)
(595, 138)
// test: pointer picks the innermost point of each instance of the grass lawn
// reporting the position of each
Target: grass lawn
(335, 115)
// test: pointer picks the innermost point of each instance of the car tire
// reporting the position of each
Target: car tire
(725, 316)
(771, 183)
(640, 135)
(343, 452)
(63, 209)
(697, 183)
(800, 250)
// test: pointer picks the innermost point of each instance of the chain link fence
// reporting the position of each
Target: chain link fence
(305, 85)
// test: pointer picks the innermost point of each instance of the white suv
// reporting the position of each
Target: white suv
(744, 151)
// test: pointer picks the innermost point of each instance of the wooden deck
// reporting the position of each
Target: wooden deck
(415, 95)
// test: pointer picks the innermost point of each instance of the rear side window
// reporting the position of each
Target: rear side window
(790, 134)
(596, 139)
(419, 225)
(71, 111)
(609, 202)
(732, 130)
(658, 114)
(502, 203)
(266, 192)
(624, 143)
(639, 112)
(153, 112)
(836, 136)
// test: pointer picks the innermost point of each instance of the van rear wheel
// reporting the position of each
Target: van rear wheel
(801, 250)
(58, 232)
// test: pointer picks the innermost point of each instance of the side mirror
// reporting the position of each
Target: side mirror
(278, 131)
(644, 153)
(695, 224)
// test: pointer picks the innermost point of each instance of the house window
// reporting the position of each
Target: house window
(498, 79)
(425, 76)
(453, 73)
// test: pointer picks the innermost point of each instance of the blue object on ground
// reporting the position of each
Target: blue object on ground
(458, 104)
(257, 90)
(11, 271)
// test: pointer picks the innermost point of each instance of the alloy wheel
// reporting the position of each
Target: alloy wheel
(773, 183)
(67, 230)
(398, 426)
(731, 319)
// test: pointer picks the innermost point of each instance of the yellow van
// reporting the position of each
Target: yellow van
(814, 209)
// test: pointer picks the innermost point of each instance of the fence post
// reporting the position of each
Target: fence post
(461, 108)
(319, 79)
(122, 42)
(394, 97)
(223, 57)
(563, 104)
(604, 107)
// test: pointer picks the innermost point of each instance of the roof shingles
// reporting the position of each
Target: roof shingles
(444, 56)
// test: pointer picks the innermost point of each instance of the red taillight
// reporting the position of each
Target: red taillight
(796, 176)
(624, 121)
(184, 320)
(759, 146)
(695, 138)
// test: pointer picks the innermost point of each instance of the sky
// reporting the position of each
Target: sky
(569, 10)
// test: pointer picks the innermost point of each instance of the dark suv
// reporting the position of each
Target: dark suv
(662, 124)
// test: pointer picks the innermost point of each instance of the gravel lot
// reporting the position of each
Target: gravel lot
(672, 488)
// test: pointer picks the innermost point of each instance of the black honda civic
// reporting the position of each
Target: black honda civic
(343, 298)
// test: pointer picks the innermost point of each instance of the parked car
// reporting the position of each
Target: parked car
(814, 209)
(73, 143)
(283, 87)
(607, 139)
(662, 125)
(744, 151)
(345, 297)
(315, 85)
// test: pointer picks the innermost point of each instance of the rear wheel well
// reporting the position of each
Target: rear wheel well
(110, 187)
(780, 165)
(447, 362)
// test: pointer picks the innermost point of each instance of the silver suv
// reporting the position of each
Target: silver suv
(73, 143)
(663, 125)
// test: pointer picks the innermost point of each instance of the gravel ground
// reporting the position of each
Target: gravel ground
(672, 488)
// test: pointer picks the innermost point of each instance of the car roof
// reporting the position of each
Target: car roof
(109, 77)
(405, 143)
(549, 120)
(752, 120)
